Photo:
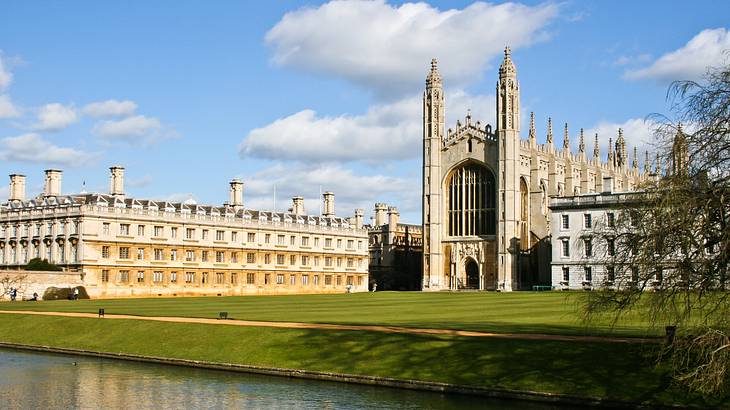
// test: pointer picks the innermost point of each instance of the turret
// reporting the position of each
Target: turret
(596, 150)
(635, 162)
(380, 210)
(647, 167)
(680, 153)
(611, 158)
(566, 139)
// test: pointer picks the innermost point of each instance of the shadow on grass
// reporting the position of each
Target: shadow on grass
(614, 371)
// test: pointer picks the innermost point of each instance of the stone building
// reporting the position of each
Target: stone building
(581, 259)
(396, 251)
(486, 223)
(124, 246)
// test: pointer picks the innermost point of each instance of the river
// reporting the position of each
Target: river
(32, 380)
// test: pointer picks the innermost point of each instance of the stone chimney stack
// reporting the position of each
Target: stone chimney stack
(380, 209)
(607, 185)
(328, 209)
(17, 187)
(116, 182)
(52, 186)
(236, 194)
(297, 205)
(359, 216)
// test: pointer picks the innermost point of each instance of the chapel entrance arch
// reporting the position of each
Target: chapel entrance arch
(472, 274)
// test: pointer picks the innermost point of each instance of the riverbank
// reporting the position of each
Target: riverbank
(543, 370)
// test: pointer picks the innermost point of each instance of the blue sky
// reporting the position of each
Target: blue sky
(303, 95)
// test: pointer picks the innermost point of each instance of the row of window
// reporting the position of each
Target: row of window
(222, 278)
(158, 254)
(39, 229)
(220, 235)
(588, 220)
(12, 256)
(587, 247)
(610, 274)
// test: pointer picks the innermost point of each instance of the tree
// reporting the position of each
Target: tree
(669, 248)
(9, 282)
(41, 265)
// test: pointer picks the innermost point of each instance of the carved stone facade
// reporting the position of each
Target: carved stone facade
(486, 223)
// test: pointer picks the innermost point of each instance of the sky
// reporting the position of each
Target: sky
(298, 98)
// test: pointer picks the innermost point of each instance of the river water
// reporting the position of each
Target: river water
(30, 380)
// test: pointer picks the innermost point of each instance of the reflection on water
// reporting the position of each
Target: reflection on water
(30, 380)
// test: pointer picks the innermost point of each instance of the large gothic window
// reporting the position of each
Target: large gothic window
(471, 201)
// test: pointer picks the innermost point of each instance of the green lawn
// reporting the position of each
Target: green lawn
(615, 371)
(521, 312)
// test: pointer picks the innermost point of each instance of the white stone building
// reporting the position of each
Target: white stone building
(581, 255)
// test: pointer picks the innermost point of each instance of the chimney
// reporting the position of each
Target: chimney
(297, 205)
(380, 209)
(359, 215)
(329, 204)
(52, 186)
(17, 188)
(116, 182)
(607, 185)
(236, 194)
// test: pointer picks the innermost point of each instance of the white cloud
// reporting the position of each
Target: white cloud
(6, 77)
(352, 190)
(385, 132)
(389, 47)
(33, 148)
(110, 108)
(180, 197)
(4, 193)
(136, 129)
(7, 108)
(691, 61)
(55, 117)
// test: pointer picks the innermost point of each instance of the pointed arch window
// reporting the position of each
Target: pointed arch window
(471, 201)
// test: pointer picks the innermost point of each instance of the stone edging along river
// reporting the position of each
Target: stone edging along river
(346, 378)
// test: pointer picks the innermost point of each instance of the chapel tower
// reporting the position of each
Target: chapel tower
(508, 135)
(433, 135)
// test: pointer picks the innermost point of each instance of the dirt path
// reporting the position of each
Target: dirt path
(327, 326)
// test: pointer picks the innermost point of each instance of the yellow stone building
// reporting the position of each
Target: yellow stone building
(125, 246)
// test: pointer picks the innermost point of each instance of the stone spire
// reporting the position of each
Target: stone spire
(635, 162)
(611, 160)
(507, 68)
(621, 155)
(434, 77)
(680, 153)
(550, 131)
(657, 165)
(646, 162)
(596, 149)
(581, 142)
(566, 139)
(533, 137)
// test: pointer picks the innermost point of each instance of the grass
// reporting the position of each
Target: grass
(614, 371)
(517, 312)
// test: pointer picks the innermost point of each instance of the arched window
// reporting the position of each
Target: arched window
(471, 201)
(524, 202)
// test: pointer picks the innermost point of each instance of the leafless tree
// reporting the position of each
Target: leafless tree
(668, 251)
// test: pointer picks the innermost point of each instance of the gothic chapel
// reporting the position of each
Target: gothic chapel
(486, 191)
